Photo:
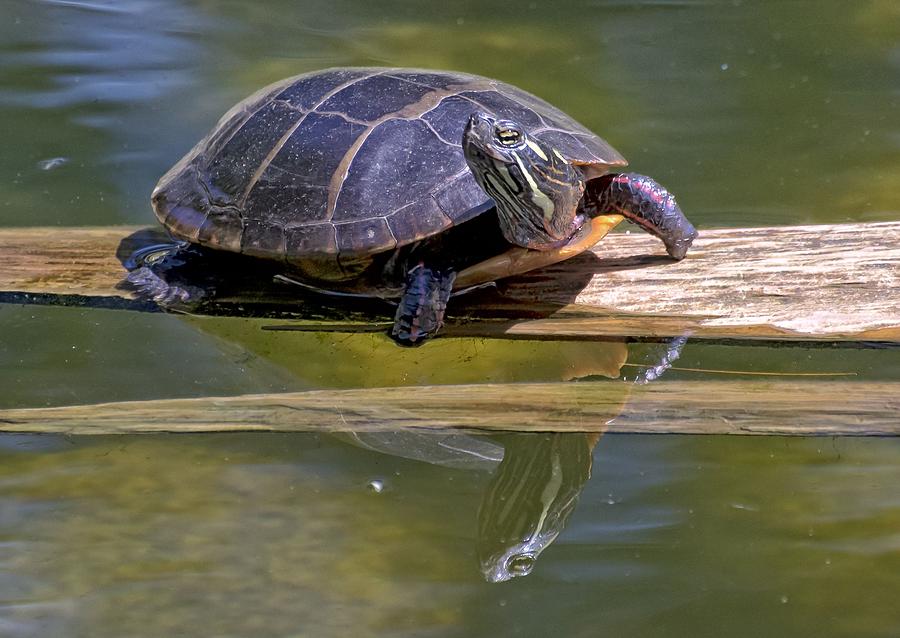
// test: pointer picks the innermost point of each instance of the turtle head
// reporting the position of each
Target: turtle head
(535, 188)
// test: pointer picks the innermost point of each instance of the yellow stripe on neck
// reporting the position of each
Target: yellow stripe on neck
(539, 197)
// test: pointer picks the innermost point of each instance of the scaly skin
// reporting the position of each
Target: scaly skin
(420, 312)
(643, 201)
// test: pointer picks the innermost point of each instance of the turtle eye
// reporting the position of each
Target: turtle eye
(508, 136)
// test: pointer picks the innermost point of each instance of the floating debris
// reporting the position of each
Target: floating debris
(53, 162)
(376, 486)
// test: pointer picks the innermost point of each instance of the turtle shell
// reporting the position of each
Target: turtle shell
(342, 164)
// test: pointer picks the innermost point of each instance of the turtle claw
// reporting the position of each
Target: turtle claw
(677, 248)
(154, 274)
(150, 286)
(660, 359)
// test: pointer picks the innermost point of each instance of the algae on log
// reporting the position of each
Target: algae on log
(667, 407)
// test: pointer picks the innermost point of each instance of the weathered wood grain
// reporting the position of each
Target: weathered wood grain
(828, 282)
(62, 261)
(835, 282)
(677, 407)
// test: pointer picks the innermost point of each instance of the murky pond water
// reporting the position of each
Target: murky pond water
(753, 113)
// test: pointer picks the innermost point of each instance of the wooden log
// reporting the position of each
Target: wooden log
(676, 407)
(62, 261)
(832, 282)
(827, 282)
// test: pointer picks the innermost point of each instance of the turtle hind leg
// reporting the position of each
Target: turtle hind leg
(643, 201)
(162, 274)
(420, 312)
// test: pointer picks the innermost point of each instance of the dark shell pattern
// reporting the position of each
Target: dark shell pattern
(349, 163)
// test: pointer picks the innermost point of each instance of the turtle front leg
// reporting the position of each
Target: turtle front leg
(420, 312)
(643, 201)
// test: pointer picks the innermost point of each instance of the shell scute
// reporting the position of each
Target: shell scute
(370, 98)
(365, 237)
(225, 231)
(231, 169)
(418, 221)
(449, 117)
(400, 162)
(311, 239)
(501, 106)
(459, 201)
(306, 91)
(263, 239)
(435, 80)
(279, 194)
(297, 179)
(569, 144)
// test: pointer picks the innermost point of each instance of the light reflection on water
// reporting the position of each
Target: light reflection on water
(753, 113)
(234, 534)
(748, 114)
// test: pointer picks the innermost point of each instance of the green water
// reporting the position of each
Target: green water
(753, 113)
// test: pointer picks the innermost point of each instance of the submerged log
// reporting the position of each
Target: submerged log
(667, 407)
(826, 282)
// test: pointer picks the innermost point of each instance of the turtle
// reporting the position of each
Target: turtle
(389, 182)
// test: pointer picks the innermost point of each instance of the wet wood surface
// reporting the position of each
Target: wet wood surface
(774, 407)
(824, 282)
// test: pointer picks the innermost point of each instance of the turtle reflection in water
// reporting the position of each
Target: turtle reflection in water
(535, 485)
(537, 477)
(529, 499)
(389, 182)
